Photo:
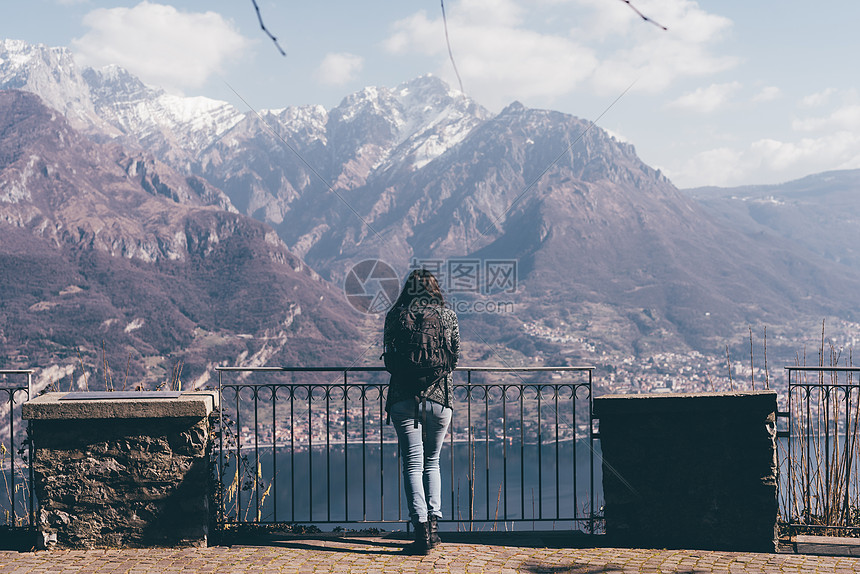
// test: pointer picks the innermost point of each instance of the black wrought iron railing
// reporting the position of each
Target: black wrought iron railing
(311, 446)
(822, 450)
(16, 499)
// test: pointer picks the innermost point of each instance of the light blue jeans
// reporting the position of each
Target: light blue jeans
(422, 480)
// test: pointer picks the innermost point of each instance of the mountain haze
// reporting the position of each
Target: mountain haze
(612, 259)
(820, 213)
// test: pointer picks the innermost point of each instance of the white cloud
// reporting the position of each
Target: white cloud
(768, 159)
(495, 13)
(828, 140)
(162, 45)
(767, 94)
(846, 117)
(657, 58)
(706, 100)
(809, 155)
(720, 166)
(817, 99)
(498, 59)
(501, 56)
(338, 69)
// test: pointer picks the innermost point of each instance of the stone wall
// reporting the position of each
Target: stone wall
(121, 472)
(690, 471)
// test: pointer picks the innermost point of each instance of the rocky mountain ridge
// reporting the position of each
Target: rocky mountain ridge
(111, 104)
(608, 252)
(112, 258)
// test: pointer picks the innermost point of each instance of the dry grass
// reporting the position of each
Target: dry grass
(823, 452)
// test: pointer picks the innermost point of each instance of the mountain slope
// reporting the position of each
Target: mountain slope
(104, 253)
(301, 169)
(611, 257)
(595, 232)
(819, 212)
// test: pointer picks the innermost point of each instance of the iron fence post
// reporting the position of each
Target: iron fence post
(815, 510)
(31, 452)
(221, 431)
(12, 455)
(591, 509)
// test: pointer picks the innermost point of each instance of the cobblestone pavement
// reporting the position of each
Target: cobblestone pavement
(381, 554)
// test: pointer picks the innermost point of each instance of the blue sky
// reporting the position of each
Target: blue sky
(735, 92)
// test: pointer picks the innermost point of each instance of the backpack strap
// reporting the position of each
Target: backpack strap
(445, 341)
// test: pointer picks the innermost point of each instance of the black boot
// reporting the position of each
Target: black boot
(433, 534)
(420, 546)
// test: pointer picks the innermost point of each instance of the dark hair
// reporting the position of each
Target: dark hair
(420, 287)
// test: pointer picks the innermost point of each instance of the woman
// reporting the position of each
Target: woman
(421, 418)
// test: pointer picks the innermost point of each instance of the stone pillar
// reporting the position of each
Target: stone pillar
(123, 469)
(691, 471)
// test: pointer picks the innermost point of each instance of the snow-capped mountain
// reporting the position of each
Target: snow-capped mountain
(176, 128)
(372, 131)
(100, 244)
(52, 74)
(289, 167)
(422, 171)
(112, 104)
(415, 122)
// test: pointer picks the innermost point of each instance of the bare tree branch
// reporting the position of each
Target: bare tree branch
(643, 16)
(450, 53)
(263, 27)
